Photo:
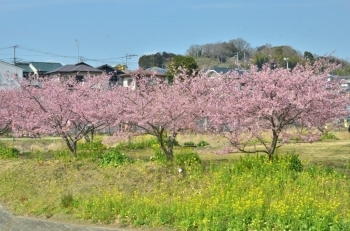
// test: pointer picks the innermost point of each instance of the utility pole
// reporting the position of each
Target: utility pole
(14, 54)
(126, 59)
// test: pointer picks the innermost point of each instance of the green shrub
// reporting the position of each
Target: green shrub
(186, 158)
(90, 149)
(202, 143)
(189, 144)
(295, 163)
(113, 157)
(67, 200)
(328, 136)
(159, 156)
(6, 152)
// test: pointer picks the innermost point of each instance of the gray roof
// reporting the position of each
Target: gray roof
(157, 69)
(79, 67)
(45, 67)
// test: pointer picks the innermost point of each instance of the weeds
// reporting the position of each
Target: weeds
(246, 193)
(7, 152)
(67, 200)
(137, 145)
(113, 157)
(252, 193)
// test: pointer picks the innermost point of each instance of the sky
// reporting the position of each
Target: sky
(121, 31)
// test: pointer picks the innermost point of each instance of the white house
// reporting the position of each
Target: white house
(8, 73)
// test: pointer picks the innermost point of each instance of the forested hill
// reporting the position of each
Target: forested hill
(239, 53)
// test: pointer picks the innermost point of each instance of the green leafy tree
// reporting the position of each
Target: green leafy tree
(180, 61)
(155, 60)
(309, 56)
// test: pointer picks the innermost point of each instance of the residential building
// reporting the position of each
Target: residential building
(8, 74)
(37, 68)
(78, 70)
(115, 79)
(128, 79)
(221, 71)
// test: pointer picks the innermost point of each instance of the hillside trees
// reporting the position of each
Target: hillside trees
(275, 56)
(222, 50)
(181, 63)
(270, 107)
(155, 60)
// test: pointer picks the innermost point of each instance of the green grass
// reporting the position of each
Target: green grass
(227, 192)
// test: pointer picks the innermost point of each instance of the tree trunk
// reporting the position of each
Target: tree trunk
(273, 145)
(72, 146)
(166, 144)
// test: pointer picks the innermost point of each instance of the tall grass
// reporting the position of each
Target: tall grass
(250, 194)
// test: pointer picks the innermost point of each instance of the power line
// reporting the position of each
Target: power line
(126, 57)
(6, 48)
(47, 53)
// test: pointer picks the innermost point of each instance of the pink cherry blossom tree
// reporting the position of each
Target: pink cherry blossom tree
(64, 107)
(160, 109)
(269, 107)
(6, 96)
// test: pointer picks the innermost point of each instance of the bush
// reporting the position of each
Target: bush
(295, 163)
(159, 156)
(189, 144)
(202, 143)
(328, 136)
(187, 158)
(6, 152)
(90, 149)
(113, 157)
(67, 200)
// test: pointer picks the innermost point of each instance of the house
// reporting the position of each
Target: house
(8, 73)
(78, 70)
(37, 68)
(157, 70)
(127, 79)
(346, 82)
(113, 72)
(221, 71)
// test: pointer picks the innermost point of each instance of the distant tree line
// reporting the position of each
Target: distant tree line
(155, 60)
(222, 50)
(239, 53)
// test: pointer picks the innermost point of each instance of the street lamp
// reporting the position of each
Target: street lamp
(286, 59)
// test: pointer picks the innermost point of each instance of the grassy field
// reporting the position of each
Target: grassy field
(306, 188)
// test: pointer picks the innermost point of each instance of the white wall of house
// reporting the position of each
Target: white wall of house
(8, 73)
(128, 82)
